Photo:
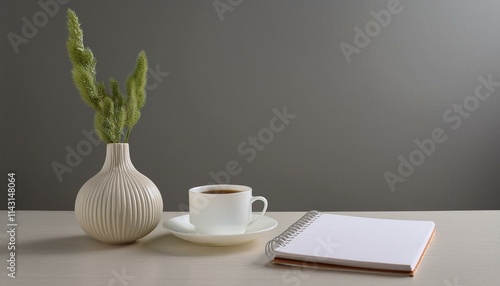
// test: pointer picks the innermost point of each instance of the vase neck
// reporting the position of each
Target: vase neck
(117, 157)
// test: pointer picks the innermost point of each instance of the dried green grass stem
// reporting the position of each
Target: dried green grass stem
(115, 114)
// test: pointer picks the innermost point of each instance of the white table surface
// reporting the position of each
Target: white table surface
(51, 249)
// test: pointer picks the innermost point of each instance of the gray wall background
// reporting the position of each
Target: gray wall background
(226, 74)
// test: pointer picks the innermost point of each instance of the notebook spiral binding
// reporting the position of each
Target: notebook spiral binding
(296, 228)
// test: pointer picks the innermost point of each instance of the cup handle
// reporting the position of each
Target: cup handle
(258, 198)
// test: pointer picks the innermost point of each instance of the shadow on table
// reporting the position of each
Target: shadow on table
(171, 245)
(69, 244)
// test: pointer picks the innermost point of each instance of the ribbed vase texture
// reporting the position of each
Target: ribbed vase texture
(118, 205)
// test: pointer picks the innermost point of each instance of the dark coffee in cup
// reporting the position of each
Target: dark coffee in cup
(220, 192)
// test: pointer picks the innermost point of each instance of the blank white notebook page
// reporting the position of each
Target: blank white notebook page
(360, 242)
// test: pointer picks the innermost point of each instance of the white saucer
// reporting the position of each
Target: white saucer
(183, 229)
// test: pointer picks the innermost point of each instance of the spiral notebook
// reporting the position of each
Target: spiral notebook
(353, 243)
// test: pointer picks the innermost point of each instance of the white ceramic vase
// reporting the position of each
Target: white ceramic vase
(118, 205)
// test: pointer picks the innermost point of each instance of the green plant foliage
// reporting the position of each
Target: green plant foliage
(116, 114)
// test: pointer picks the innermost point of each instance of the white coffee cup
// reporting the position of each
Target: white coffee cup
(222, 209)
